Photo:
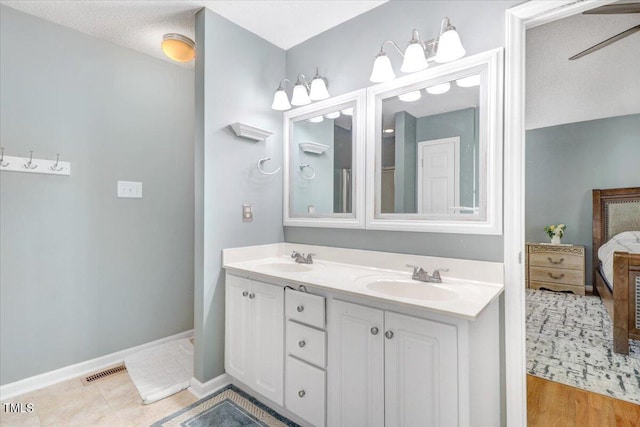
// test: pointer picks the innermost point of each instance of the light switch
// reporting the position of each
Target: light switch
(247, 213)
(130, 189)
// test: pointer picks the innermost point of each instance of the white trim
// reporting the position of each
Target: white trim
(46, 379)
(420, 167)
(518, 19)
(200, 390)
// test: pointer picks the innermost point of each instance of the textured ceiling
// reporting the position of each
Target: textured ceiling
(139, 25)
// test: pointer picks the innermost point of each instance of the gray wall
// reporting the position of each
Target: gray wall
(405, 173)
(236, 74)
(345, 54)
(565, 162)
(83, 273)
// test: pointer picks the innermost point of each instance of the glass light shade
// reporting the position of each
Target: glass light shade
(300, 95)
(280, 100)
(178, 47)
(318, 89)
(333, 115)
(449, 47)
(469, 81)
(347, 111)
(439, 89)
(382, 69)
(414, 59)
(410, 96)
(317, 119)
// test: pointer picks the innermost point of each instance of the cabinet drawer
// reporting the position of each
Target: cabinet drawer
(305, 308)
(556, 275)
(307, 343)
(557, 260)
(304, 393)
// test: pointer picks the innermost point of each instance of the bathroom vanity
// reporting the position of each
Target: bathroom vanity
(353, 340)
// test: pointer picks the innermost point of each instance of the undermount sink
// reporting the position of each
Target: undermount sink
(412, 289)
(285, 267)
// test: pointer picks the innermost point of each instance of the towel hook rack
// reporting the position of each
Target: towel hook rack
(262, 171)
(302, 167)
(55, 167)
(2, 162)
(29, 164)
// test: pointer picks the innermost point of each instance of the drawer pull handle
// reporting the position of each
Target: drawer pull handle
(300, 309)
(301, 393)
(245, 293)
(558, 277)
(388, 335)
(252, 296)
(301, 344)
(555, 262)
(374, 331)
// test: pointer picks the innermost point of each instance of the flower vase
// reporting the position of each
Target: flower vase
(555, 240)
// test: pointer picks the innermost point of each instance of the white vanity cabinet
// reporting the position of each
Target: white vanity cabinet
(389, 369)
(254, 335)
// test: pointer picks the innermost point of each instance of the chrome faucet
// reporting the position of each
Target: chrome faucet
(301, 259)
(422, 275)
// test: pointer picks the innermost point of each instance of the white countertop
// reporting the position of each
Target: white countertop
(466, 289)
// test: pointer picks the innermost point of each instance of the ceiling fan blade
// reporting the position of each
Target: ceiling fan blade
(614, 8)
(607, 42)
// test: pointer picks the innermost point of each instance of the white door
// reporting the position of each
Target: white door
(237, 334)
(267, 350)
(438, 182)
(356, 366)
(421, 379)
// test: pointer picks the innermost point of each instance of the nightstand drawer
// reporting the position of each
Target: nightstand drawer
(557, 260)
(556, 275)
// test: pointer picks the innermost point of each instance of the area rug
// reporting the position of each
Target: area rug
(570, 341)
(229, 407)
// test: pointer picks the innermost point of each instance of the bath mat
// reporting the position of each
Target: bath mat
(570, 341)
(229, 407)
(161, 371)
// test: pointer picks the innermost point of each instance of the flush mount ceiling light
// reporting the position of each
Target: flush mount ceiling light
(446, 47)
(178, 47)
(303, 92)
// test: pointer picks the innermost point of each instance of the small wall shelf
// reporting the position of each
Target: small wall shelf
(313, 147)
(250, 132)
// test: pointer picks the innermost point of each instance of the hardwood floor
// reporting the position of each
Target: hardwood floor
(552, 404)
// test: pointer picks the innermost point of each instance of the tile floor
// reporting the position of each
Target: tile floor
(113, 401)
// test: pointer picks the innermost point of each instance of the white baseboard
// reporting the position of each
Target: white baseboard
(46, 379)
(201, 390)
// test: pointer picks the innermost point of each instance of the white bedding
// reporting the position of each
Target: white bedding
(629, 241)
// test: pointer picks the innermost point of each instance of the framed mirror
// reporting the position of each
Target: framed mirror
(434, 152)
(324, 163)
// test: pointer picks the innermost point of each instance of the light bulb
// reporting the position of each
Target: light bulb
(300, 95)
(318, 89)
(382, 69)
(333, 115)
(439, 89)
(410, 96)
(316, 119)
(469, 81)
(280, 100)
(414, 59)
(449, 46)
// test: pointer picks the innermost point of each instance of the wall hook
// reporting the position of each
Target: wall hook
(55, 167)
(2, 162)
(29, 164)
(261, 161)
(302, 167)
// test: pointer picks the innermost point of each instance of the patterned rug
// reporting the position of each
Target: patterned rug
(570, 341)
(229, 407)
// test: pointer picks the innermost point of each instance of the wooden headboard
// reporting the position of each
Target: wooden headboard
(614, 211)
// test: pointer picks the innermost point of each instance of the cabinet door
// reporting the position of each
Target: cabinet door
(421, 365)
(356, 366)
(237, 330)
(267, 304)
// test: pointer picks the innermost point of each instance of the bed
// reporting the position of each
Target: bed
(617, 211)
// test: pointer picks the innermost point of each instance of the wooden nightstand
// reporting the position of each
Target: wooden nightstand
(555, 267)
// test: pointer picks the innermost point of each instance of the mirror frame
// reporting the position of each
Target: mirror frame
(357, 218)
(491, 61)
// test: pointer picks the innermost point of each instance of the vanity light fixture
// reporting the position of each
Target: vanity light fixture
(439, 89)
(303, 92)
(410, 96)
(347, 111)
(332, 115)
(469, 81)
(446, 47)
(317, 119)
(178, 47)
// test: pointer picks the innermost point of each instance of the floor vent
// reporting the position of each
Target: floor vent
(103, 374)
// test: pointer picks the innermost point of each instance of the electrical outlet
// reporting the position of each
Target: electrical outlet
(130, 189)
(247, 213)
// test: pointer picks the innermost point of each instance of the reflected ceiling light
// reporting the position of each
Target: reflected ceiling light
(303, 92)
(444, 48)
(333, 115)
(469, 81)
(347, 111)
(410, 96)
(439, 89)
(389, 130)
(178, 47)
(317, 119)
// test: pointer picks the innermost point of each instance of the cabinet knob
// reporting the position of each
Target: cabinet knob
(374, 331)
(245, 293)
(300, 309)
(301, 344)
(252, 296)
(301, 393)
(388, 335)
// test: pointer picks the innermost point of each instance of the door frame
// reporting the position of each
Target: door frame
(518, 20)
(456, 172)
